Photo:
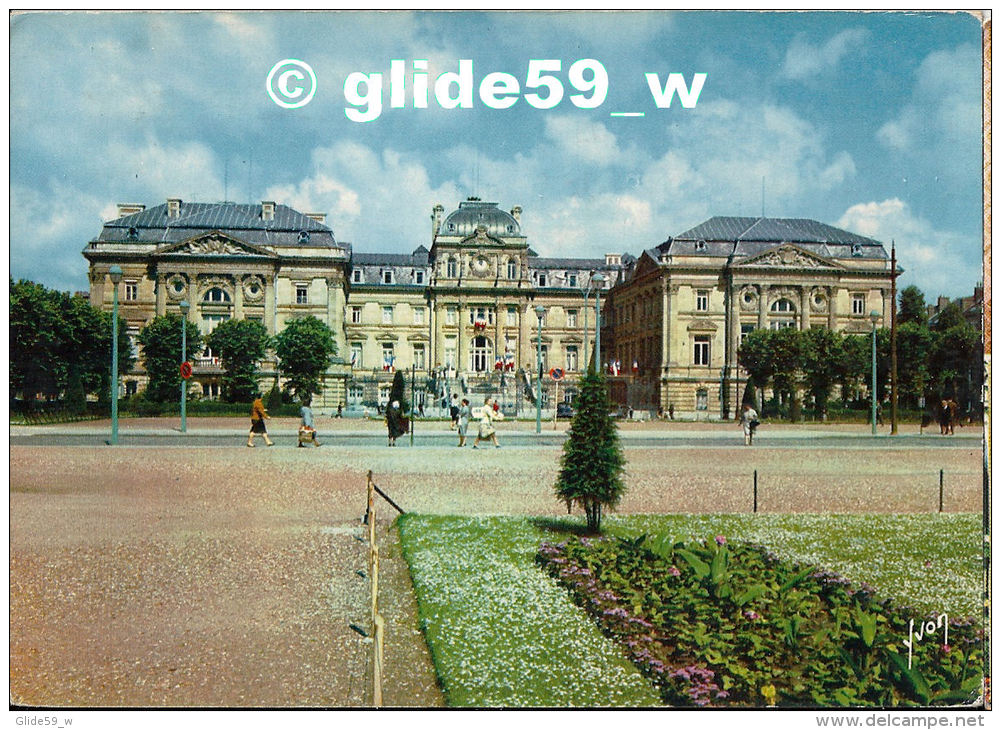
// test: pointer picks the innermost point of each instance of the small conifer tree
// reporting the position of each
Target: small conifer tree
(592, 463)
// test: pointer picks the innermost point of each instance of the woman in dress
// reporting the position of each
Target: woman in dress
(395, 422)
(464, 414)
(488, 414)
(749, 422)
(257, 427)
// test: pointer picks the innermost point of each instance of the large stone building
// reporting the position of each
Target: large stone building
(265, 262)
(460, 315)
(675, 322)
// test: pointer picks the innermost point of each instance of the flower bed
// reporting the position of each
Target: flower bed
(715, 623)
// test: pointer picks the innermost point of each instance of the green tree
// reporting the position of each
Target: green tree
(161, 342)
(951, 316)
(592, 463)
(822, 353)
(956, 364)
(912, 309)
(787, 356)
(755, 356)
(52, 333)
(274, 402)
(304, 349)
(76, 398)
(241, 344)
(856, 363)
(914, 344)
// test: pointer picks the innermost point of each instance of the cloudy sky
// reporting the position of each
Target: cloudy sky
(868, 121)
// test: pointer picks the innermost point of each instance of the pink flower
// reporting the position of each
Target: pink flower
(946, 648)
(673, 571)
(720, 540)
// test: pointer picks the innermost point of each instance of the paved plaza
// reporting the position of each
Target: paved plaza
(189, 570)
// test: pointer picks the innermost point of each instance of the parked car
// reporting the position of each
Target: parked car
(564, 410)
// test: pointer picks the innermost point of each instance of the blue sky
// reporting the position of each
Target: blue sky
(868, 121)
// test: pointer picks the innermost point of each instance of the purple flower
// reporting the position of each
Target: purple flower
(752, 615)
(673, 571)
(946, 648)
(720, 540)
(722, 694)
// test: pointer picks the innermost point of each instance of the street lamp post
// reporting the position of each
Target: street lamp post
(598, 279)
(115, 274)
(539, 312)
(874, 316)
(184, 306)
(587, 292)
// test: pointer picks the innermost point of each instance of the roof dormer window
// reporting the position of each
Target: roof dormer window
(700, 245)
(856, 249)
(303, 236)
(133, 234)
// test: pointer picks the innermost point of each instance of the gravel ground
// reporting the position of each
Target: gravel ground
(202, 576)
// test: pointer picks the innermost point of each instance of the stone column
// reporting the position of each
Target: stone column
(832, 307)
(238, 297)
(520, 354)
(161, 291)
(762, 306)
(336, 301)
(269, 303)
(461, 346)
(498, 334)
(804, 307)
(665, 324)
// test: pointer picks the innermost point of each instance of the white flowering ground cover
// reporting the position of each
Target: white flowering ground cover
(501, 633)
(933, 562)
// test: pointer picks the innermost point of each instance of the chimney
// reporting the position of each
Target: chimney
(943, 302)
(436, 219)
(267, 210)
(613, 259)
(125, 209)
(516, 213)
(318, 217)
(173, 207)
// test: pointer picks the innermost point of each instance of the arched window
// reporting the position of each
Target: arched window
(783, 305)
(512, 269)
(215, 295)
(451, 268)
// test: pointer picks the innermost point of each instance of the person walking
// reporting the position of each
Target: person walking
(395, 422)
(488, 414)
(749, 422)
(257, 427)
(453, 411)
(307, 431)
(465, 412)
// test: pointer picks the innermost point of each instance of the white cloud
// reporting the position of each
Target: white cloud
(939, 262)
(804, 60)
(581, 138)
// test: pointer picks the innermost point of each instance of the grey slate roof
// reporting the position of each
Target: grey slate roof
(755, 235)
(244, 220)
(472, 213)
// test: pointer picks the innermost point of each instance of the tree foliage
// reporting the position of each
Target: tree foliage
(592, 463)
(54, 334)
(304, 349)
(822, 355)
(912, 309)
(161, 342)
(241, 344)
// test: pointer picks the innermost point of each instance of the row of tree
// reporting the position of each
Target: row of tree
(60, 347)
(941, 360)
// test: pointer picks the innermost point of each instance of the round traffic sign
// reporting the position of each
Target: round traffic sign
(556, 373)
(185, 369)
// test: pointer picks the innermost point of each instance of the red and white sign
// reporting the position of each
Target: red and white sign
(557, 373)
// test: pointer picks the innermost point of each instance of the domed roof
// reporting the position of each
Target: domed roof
(473, 213)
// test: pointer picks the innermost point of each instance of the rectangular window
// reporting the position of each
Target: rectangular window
(356, 276)
(387, 315)
(301, 294)
(512, 316)
(450, 315)
(571, 358)
(702, 300)
(384, 394)
(388, 356)
(356, 358)
(131, 291)
(542, 279)
(781, 324)
(701, 350)
(858, 304)
(545, 358)
(355, 315)
(420, 362)
(745, 330)
(210, 322)
(418, 277)
(450, 357)
(419, 315)
(572, 280)
(387, 277)
(572, 318)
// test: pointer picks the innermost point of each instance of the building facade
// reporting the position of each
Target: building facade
(674, 324)
(458, 317)
(263, 262)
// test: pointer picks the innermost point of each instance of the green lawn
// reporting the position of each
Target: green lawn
(501, 633)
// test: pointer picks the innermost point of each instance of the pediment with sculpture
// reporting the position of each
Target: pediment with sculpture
(214, 243)
(788, 256)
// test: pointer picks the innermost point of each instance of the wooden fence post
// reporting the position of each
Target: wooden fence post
(755, 491)
(380, 630)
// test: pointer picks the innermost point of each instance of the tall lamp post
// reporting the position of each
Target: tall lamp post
(539, 312)
(184, 306)
(874, 316)
(115, 274)
(598, 279)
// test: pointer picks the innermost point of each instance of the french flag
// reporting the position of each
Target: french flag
(636, 366)
(387, 364)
